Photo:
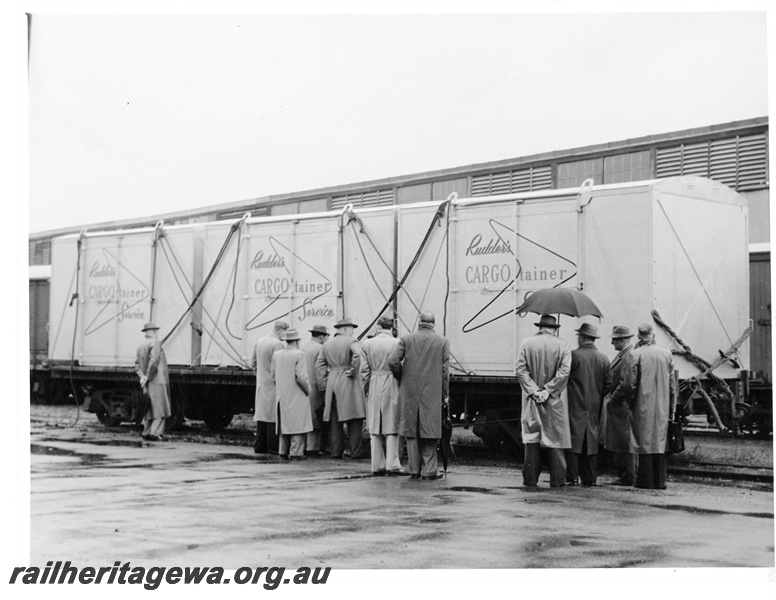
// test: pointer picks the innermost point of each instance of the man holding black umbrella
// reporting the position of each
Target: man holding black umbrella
(543, 367)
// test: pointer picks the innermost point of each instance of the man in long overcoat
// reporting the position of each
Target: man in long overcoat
(589, 381)
(382, 406)
(337, 371)
(264, 413)
(616, 417)
(316, 439)
(292, 387)
(651, 372)
(421, 363)
(151, 368)
(543, 367)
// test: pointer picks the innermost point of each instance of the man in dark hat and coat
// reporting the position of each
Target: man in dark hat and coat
(421, 363)
(294, 417)
(543, 367)
(337, 371)
(589, 381)
(151, 368)
(615, 432)
(316, 439)
(651, 372)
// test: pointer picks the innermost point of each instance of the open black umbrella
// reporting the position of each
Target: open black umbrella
(560, 301)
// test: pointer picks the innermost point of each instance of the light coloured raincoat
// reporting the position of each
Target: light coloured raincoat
(651, 374)
(151, 363)
(544, 363)
(382, 388)
(265, 387)
(337, 370)
(289, 372)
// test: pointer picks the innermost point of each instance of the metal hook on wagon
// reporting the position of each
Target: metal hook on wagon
(158, 230)
(585, 194)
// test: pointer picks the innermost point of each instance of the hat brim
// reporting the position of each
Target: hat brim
(553, 325)
(353, 325)
(149, 329)
(622, 337)
(590, 335)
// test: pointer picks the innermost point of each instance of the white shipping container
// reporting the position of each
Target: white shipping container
(678, 246)
(120, 287)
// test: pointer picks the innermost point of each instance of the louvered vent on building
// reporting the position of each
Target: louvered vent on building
(509, 182)
(739, 162)
(256, 211)
(363, 199)
(40, 252)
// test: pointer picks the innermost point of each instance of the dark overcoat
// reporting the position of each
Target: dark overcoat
(421, 363)
(589, 381)
(616, 417)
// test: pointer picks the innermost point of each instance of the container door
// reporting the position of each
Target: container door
(482, 292)
(369, 266)
(546, 257)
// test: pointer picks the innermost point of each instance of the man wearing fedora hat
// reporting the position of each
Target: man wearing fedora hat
(589, 381)
(543, 366)
(337, 371)
(151, 368)
(651, 372)
(316, 439)
(264, 413)
(382, 392)
(294, 417)
(615, 430)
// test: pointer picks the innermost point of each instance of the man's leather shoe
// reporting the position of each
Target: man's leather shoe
(622, 482)
(397, 473)
(379, 473)
(414, 476)
(432, 477)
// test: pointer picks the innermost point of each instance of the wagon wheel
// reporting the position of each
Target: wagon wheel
(104, 418)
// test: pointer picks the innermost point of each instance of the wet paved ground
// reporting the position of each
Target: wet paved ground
(99, 496)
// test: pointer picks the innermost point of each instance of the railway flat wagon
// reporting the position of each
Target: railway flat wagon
(672, 251)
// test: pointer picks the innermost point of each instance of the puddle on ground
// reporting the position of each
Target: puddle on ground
(712, 511)
(119, 442)
(53, 451)
(233, 456)
(476, 490)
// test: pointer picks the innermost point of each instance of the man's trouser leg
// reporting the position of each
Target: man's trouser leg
(645, 477)
(313, 440)
(659, 471)
(264, 442)
(588, 464)
(392, 462)
(532, 464)
(572, 466)
(377, 443)
(428, 451)
(414, 459)
(283, 445)
(557, 467)
(296, 445)
(336, 433)
(625, 463)
(354, 436)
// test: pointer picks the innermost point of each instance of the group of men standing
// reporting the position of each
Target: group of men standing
(314, 396)
(575, 400)
(309, 398)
